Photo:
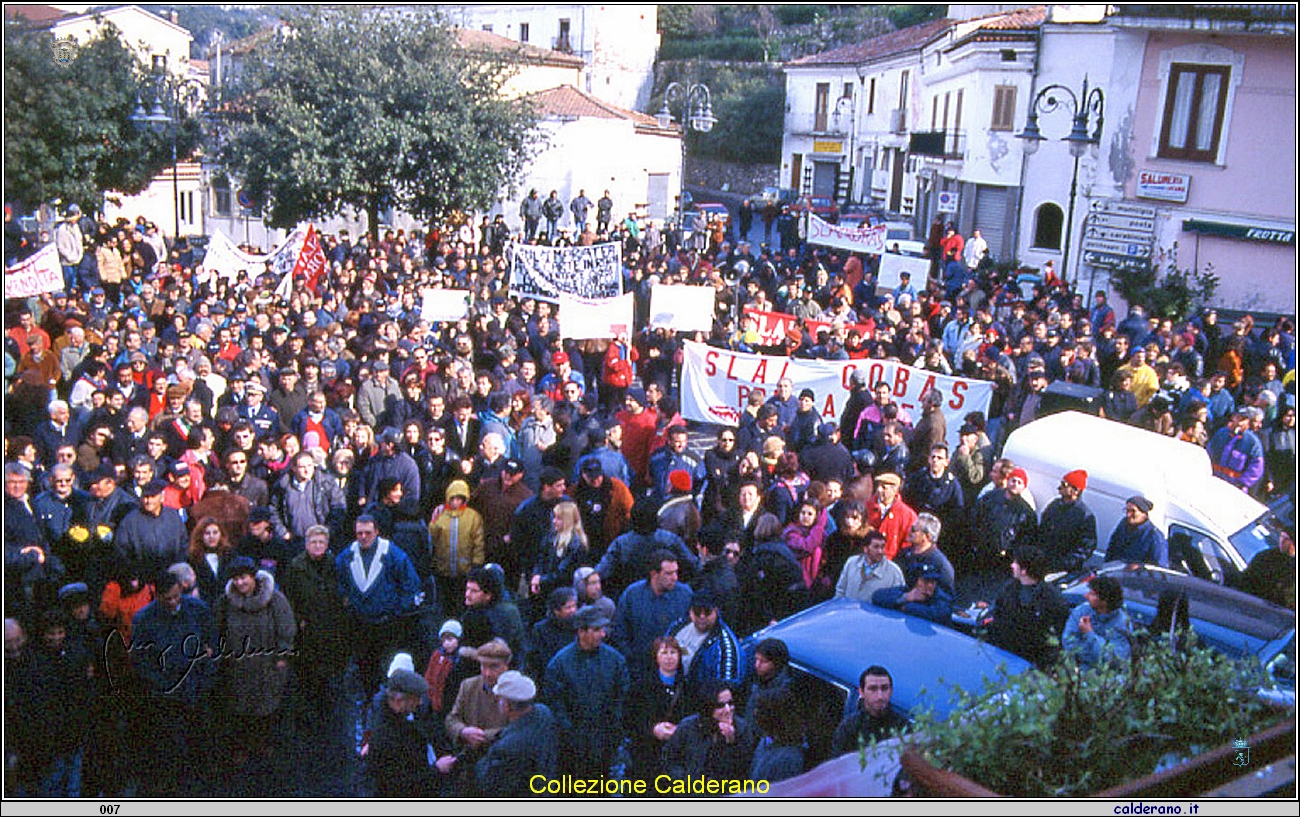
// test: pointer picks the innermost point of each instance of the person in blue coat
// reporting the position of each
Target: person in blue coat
(379, 586)
(1137, 540)
(1099, 629)
(586, 688)
(925, 598)
(525, 749)
(710, 650)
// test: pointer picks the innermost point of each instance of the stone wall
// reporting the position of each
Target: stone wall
(743, 180)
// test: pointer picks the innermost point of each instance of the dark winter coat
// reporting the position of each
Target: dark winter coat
(257, 634)
(587, 692)
(311, 585)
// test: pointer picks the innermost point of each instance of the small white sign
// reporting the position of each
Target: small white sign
(948, 201)
(684, 308)
(1161, 186)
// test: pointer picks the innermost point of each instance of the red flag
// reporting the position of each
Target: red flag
(311, 261)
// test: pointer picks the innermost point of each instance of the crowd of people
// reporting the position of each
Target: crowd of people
(219, 499)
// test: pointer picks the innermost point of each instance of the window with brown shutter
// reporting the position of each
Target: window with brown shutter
(1004, 108)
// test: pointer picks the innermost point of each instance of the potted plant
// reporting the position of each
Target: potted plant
(1164, 722)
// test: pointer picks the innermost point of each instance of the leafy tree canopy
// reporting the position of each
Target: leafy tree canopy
(68, 132)
(373, 108)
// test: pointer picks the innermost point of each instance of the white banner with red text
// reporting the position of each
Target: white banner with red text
(716, 385)
(854, 239)
(36, 275)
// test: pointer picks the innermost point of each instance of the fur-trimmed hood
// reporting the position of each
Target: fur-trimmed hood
(258, 599)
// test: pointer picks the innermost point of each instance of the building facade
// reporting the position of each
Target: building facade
(1199, 131)
(593, 146)
(618, 44)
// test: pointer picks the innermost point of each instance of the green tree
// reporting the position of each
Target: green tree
(372, 109)
(68, 132)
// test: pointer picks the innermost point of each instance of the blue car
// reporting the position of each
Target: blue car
(1226, 620)
(831, 644)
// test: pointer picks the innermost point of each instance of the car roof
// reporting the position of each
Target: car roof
(1208, 602)
(838, 639)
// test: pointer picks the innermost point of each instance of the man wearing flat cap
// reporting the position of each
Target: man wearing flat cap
(1136, 540)
(586, 688)
(475, 719)
(525, 748)
(151, 537)
(397, 754)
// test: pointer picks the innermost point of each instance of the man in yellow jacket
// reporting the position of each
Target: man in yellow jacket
(458, 545)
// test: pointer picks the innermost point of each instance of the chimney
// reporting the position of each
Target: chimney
(173, 16)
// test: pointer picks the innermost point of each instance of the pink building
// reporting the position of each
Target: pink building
(1214, 144)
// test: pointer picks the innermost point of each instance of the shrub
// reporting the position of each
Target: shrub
(1070, 732)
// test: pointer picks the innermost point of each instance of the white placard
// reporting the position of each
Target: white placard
(891, 264)
(684, 308)
(444, 304)
(595, 318)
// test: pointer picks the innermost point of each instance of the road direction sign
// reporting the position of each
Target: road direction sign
(1108, 234)
(1122, 222)
(1103, 259)
(1135, 250)
(1122, 208)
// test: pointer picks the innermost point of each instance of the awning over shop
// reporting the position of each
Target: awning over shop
(1247, 232)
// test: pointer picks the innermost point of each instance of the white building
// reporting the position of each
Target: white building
(174, 199)
(848, 114)
(617, 43)
(977, 77)
(594, 146)
(897, 120)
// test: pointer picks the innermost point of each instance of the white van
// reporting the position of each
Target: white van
(1214, 529)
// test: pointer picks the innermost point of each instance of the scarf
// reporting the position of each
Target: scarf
(362, 577)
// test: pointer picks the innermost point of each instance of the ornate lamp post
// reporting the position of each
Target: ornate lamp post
(695, 104)
(1083, 108)
(170, 98)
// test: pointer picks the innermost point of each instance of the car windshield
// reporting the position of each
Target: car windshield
(1257, 537)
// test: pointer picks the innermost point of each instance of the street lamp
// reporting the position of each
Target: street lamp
(1083, 108)
(159, 118)
(696, 107)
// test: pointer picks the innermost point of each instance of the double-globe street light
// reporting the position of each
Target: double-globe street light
(695, 102)
(1083, 108)
(170, 97)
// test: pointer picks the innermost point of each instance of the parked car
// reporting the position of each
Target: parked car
(824, 207)
(1229, 621)
(831, 644)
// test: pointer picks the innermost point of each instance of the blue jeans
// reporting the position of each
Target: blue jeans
(69, 276)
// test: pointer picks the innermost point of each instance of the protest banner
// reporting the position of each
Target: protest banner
(443, 304)
(684, 308)
(36, 275)
(773, 326)
(588, 319)
(854, 239)
(224, 259)
(546, 272)
(716, 384)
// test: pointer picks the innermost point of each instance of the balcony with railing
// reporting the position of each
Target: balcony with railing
(941, 144)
